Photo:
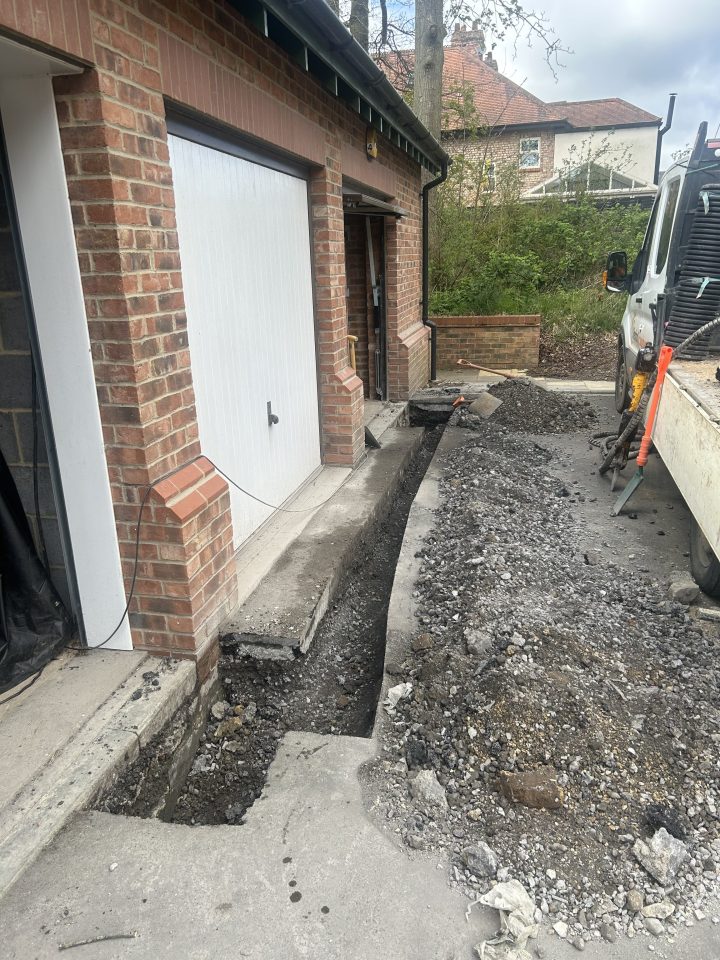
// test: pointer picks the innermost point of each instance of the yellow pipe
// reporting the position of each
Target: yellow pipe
(638, 385)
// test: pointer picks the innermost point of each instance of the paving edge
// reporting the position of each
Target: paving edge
(112, 737)
(402, 623)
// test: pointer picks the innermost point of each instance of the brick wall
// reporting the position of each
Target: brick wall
(16, 414)
(505, 342)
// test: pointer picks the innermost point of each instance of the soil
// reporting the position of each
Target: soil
(590, 357)
(333, 689)
(533, 656)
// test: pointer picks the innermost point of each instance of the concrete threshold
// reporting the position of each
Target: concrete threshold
(281, 616)
(91, 714)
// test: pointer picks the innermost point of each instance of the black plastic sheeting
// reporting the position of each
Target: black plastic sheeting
(34, 622)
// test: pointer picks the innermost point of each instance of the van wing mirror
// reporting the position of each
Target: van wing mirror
(615, 276)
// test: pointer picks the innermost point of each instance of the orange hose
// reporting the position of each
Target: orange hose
(666, 355)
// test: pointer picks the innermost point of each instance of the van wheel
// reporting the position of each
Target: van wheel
(704, 565)
(621, 379)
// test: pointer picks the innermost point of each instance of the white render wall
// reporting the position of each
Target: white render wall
(629, 151)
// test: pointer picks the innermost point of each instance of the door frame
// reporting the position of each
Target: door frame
(40, 191)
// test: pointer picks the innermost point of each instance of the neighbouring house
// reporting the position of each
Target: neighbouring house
(607, 146)
(188, 209)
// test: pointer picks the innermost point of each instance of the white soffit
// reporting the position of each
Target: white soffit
(18, 61)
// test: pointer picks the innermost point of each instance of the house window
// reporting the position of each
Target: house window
(530, 153)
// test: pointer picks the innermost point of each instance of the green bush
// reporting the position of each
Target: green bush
(502, 256)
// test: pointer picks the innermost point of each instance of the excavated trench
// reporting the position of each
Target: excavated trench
(209, 765)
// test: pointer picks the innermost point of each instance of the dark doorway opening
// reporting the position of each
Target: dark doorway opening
(366, 310)
(29, 469)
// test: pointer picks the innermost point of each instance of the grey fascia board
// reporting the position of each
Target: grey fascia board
(315, 24)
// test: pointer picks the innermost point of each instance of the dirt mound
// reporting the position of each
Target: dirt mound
(536, 659)
(532, 409)
(588, 357)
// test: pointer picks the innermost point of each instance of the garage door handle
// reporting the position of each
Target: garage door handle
(272, 417)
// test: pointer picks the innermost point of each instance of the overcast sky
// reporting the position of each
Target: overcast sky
(640, 50)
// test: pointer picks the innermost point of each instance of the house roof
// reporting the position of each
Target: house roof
(500, 102)
(602, 113)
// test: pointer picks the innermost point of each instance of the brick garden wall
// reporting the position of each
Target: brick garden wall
(505, 342)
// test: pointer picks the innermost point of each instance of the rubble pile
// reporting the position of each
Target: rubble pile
(559, 721)
(530, 408)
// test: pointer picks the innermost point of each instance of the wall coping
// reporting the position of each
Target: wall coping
(496, 320)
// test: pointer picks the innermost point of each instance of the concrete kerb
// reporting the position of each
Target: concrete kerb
(402, 623)
(112, 738)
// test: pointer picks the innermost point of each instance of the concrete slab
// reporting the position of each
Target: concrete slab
(381, 416)
(35, 726)
(256, 556)
(561, 385)
(109, 737)
(308, 876)
(283, 612)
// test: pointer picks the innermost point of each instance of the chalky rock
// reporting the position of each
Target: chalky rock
(427, 792)
(662, 856)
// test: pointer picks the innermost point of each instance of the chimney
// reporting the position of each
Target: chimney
(490, 60)
(463, 36)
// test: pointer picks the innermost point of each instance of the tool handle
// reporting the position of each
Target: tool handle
(666, 355)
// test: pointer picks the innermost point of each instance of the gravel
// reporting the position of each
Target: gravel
(533, 409)
(540, 662)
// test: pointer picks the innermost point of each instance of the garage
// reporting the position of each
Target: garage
(244, 235)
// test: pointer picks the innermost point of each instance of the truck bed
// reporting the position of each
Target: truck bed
(687, 437)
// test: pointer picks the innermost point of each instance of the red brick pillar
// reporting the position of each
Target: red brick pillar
(407, 337)
(341, 390)
(120, 183)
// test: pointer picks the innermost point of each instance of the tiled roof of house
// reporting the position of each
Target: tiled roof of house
(499, 101)
(601, 113)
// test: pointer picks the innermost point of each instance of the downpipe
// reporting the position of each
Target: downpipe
(661, 133)
(431, 184)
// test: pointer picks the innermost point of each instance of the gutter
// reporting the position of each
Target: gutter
(317, 27)
(431, 184)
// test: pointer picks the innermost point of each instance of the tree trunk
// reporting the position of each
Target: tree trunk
(360, 22)
(429, 34)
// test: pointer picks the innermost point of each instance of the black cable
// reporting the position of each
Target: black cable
(148, 488)
(131, 592)
(23, 689)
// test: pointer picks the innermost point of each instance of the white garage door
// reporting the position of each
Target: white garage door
(245, 252)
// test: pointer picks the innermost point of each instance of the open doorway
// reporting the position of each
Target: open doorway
(37, 587)
(365, 278)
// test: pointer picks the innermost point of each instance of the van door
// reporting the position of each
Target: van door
(652, 263)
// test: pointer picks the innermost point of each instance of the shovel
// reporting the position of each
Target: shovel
(666, 355)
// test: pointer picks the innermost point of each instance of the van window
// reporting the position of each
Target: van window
(667, 224)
